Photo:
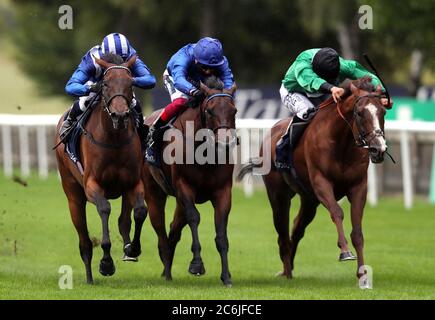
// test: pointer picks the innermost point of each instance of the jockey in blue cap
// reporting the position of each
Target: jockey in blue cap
(83, 82)
(185, 70)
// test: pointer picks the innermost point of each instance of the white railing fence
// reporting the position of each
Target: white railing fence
(28, 127)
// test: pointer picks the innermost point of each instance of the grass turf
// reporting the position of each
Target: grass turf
(37, 237)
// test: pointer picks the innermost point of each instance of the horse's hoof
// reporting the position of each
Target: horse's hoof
(131, 252)
(346, 256)
(283, 274)
(127, 258)
(197, 268)
(107, 268)
(227, 282)
(168, 277)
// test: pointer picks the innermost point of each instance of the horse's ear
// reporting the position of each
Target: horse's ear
(130, 62)
(233, 89)
(354, 90)
(102, 63)
(205, 89)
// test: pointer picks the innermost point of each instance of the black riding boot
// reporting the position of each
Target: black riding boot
(284, 148)
(140, 124)
(71, 119)
(154, 140)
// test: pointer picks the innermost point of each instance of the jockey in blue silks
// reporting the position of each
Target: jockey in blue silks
(185, 70)
(84, 80)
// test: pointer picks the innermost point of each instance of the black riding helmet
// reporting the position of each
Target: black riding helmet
(326, 64)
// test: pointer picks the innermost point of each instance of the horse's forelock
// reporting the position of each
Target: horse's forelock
(365, 83)
(214, 82)
(112, 58)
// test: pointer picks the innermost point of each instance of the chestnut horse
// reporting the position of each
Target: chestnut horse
(194, 183)
(110, 152)
(331, 161)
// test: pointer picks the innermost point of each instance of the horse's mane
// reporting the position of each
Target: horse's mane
(112, 58)
(365, 83)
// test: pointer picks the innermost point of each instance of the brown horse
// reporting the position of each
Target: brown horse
(110, 152)
(194, 183)
(331, 161)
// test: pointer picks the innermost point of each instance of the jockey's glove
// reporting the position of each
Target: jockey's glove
(95, 87)
(197, 96)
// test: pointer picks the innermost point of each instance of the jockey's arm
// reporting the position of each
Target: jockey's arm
(76, 84)
(179, 74)
(309, 80)
(142, 76)
(353, 70)
(226, 75)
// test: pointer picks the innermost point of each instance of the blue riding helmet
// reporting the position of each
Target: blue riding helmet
(208, 52)
(116, 43)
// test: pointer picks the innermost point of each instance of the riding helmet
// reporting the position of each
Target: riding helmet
(326, 64)
(116, 43)
(208, 51)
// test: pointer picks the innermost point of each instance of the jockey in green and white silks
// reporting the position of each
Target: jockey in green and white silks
(311, 79)
(314, 76)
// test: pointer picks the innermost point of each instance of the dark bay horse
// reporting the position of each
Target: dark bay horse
(110, 152)
(331, 160)
(194, 183)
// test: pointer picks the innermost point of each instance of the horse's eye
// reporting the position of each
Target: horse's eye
(210, 112)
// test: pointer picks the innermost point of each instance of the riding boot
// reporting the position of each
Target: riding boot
(140, 125)
(70, 120)
(284, 148)
(154, 140)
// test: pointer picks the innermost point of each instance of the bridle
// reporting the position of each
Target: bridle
(113, 116)
(366, 138)
(362, 140)
(108, 101)
(205, 110)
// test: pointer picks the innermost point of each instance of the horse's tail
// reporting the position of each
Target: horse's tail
(249, 168)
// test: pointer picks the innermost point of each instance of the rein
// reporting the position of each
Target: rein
(103, 145)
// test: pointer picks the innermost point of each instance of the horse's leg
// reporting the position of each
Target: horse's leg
(306, 214)
(280, 196)
(136, 200)
(95, 194)
(187, 199)
(357, 198)
(156, 205)
(222, 207)
(77, 207)
(124, 225)
(177, 225)
(325, 193)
